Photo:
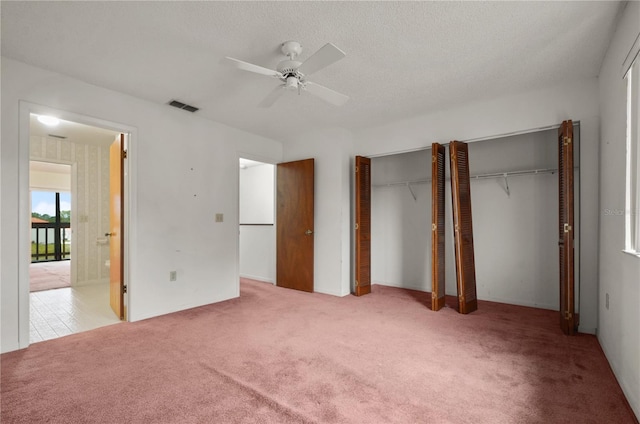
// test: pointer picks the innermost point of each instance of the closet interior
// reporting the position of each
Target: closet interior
(515, 208)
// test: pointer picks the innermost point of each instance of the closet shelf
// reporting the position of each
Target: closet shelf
(475, 177)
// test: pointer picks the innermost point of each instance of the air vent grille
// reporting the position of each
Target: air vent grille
(57, 136)
(183, 106)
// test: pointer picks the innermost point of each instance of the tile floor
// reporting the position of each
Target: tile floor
(60, 312)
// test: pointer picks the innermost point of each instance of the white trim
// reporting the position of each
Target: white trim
(473, 140)
(631, 252)
(631, 56)
(632, 166)
(259, 278)
(24, 224)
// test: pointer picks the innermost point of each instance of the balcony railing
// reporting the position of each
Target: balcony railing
(50, 241)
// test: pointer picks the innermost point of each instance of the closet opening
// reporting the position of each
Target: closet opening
(514, 196)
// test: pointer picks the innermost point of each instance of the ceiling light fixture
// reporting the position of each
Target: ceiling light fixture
(48, 120)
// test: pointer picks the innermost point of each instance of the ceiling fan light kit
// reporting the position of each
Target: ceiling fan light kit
(292, 73)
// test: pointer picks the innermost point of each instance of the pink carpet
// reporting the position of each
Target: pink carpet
(281, 356)
(49, 275)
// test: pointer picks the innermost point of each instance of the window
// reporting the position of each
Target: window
(632, 197)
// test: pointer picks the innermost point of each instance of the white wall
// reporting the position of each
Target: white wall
(257, 194)
(183, 170)
(257, 229)
(537, 109)
(619, 272)
(332, 151)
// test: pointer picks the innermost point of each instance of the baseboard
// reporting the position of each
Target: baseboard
(258, 278)
(520, 303)
(403, 286)
(330, 292)
(635, 405)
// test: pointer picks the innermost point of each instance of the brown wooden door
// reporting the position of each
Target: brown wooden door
(116, 232)
(294, 236)
(363, 226)
(568, 317)
(438, 164)
(463, 228)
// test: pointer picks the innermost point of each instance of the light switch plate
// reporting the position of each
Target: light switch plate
(219, 217)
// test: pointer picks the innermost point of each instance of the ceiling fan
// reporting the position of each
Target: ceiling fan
(293, 73)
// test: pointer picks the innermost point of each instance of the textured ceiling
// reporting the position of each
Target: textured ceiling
(403, 58)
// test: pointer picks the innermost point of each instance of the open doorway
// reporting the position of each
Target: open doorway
(69, 273)
(257, 242)
(50, 188)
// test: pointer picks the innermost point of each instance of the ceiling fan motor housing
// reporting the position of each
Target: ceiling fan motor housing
(289, 68)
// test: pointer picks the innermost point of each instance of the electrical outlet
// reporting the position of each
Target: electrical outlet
(219, 217)
(173, 275)
(606, 302)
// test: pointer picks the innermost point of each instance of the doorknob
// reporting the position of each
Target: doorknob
(109, 234)
(308, 232)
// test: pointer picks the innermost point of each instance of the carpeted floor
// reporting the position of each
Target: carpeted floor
(49, 275)
(281, 356)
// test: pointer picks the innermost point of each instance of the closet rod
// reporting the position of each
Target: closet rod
(475, 177)
(515, 173)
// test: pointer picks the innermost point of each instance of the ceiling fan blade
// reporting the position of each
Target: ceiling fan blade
(273, 96)
(326, 94)
(245, 66)
(324, 57)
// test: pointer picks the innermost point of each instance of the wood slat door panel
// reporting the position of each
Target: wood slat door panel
(568, 317)
(438, 164)
(463, 227)
(295, 223)
(116, 224)
(362, 284)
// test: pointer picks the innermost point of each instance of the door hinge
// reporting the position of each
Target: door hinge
(124, 154)
(357, 226)
(124, 289)
(455, 228)
(434, 295)
(356, 169)
(567, 228)
(357, 283)
(566, 140)
(433, 159)
(567, 315)
(433, 227)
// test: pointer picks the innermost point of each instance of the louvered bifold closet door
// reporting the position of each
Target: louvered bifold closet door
(568, 318)
(363, 226)
(463, 227)
(438, 161)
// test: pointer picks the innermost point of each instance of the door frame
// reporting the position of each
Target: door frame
(24, 223)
